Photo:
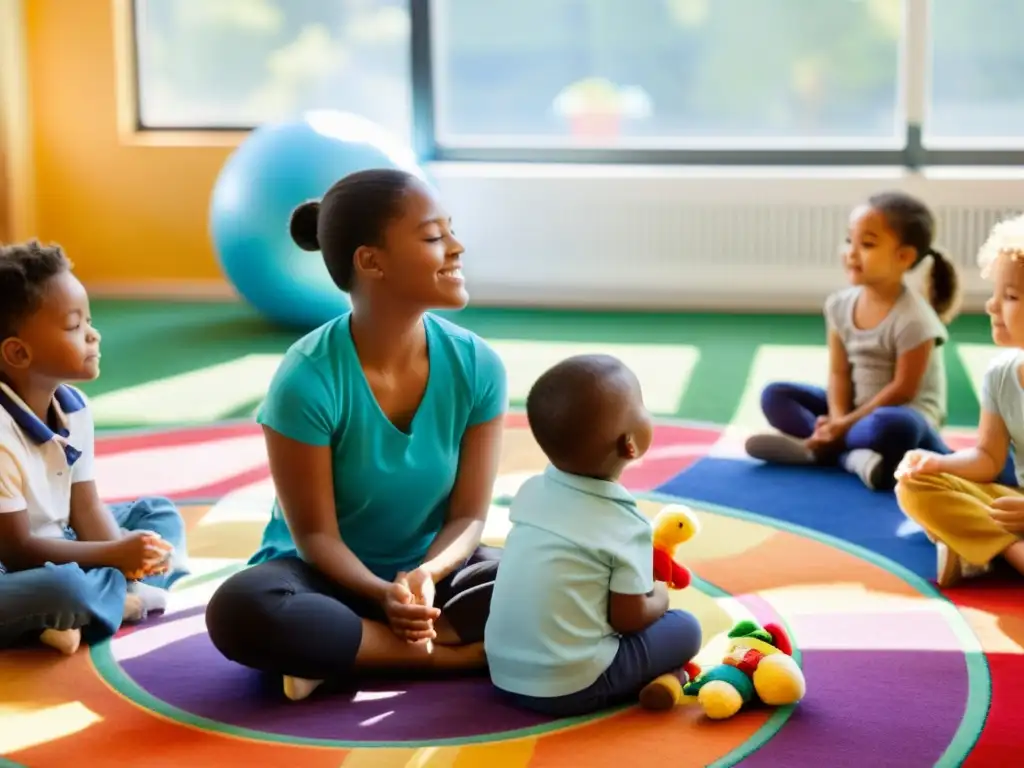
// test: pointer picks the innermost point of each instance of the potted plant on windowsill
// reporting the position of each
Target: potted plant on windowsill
(596, 108)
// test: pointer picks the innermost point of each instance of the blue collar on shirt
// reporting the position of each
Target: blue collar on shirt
(604, 489)
(65, 400)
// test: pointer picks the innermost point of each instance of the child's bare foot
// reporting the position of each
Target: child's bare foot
(134, 610)
(64, 640)
(662, 693)
(951, 569)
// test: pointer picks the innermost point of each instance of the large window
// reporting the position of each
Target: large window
(765, 81)
(239, 63)
(977, 74)
(668, 72)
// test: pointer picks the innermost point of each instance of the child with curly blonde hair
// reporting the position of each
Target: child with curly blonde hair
(957, 498)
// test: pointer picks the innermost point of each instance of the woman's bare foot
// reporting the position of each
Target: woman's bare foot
(459, 656)
(447, 657)
(298, 688)
(446, 634)
(381, 648)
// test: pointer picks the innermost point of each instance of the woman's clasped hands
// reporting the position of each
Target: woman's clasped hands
(409, 606)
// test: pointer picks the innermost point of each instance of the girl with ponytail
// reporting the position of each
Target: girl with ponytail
(886, 390)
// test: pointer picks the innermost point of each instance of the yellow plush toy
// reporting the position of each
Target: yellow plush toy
(673, 525)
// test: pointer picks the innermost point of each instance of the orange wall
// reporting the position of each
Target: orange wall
(124, 211)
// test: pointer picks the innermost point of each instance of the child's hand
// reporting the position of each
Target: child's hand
(826, 432)
(137, 552)
(660, 596)
(919, 462)
(1008, 511)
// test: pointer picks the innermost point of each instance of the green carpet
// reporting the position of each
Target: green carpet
(217, 357)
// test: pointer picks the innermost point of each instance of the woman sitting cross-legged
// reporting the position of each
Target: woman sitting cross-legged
(383, 429)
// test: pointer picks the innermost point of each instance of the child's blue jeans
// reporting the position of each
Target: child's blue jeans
(70, 597)
(891, 431)
(665, 646)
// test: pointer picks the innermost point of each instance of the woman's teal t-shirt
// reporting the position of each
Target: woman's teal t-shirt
(391, 488)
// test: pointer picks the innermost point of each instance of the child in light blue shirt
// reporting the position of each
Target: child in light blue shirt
(577, 622)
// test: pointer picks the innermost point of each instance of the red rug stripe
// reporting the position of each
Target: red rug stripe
(1001, 743)
(159, 438)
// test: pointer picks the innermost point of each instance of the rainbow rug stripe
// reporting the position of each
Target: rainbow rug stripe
(898, 673)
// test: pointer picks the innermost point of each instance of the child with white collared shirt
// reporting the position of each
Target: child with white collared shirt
(64, 554)
(577, 622)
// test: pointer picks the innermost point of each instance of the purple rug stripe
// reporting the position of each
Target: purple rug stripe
(156, 619)
(871, 708)
(191, 675)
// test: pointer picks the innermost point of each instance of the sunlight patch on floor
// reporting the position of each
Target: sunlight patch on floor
(185, 591)
(976, 359)
(251, 504)
(153, 638)
(181, 600)
(433, 757)
(497, 526)
(204, 394)
(848, 616)
(28, 726)
(664, 370)
(397, 757)
(514, 753)
(997, 634)
(846, 597)
(175, 469)
(773, 362)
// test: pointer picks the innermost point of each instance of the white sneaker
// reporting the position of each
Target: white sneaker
(299, 688)
(866, 465)
(140, 600)
(951, 569)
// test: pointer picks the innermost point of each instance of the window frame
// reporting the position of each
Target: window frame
(911, 154)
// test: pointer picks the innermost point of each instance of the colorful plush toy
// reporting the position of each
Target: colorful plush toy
(758, 665)
(673, 525)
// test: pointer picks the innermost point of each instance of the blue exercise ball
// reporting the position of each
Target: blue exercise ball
(275, 169)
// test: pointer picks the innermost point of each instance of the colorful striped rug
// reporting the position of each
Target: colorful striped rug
(898, 674)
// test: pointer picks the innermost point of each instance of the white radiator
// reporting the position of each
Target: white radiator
(729, 239)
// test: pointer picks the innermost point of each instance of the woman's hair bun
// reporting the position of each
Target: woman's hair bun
(303, 225)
